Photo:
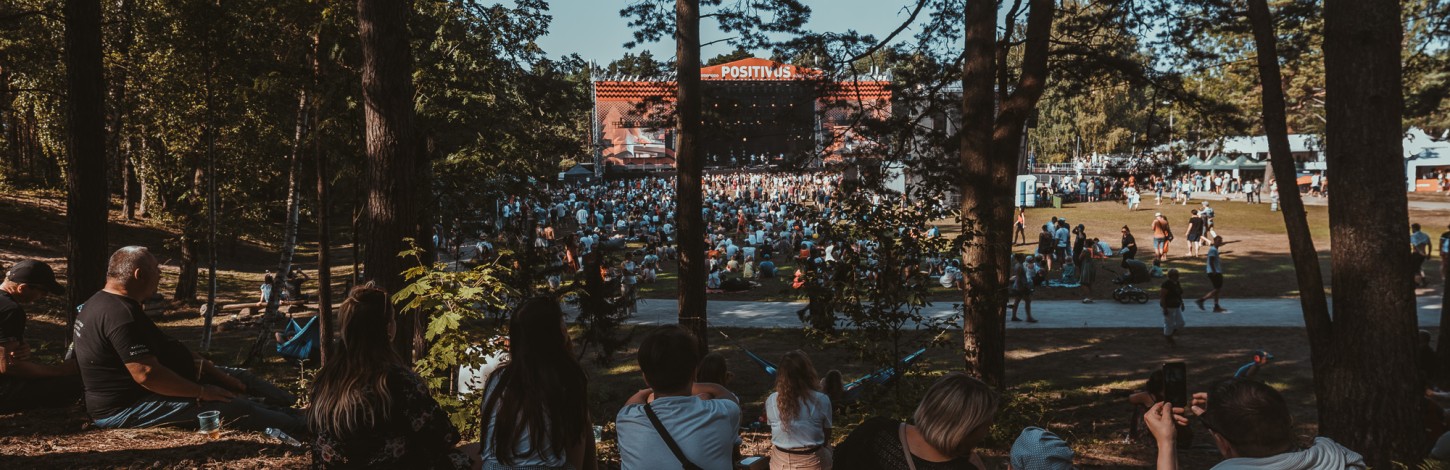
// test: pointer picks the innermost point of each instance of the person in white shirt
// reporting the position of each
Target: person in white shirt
(701, 419)
(799, 416)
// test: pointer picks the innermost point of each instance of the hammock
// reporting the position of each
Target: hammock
(882, 377)
(301, 340)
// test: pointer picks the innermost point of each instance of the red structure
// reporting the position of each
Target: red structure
(758, 113)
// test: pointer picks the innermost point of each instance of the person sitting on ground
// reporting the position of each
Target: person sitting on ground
(799, 416)
(713, 282)
(135, 375)
(1251, 427)
(952, 419)
(713, 369)
(767, 268)
(536, 407)
(1040, 449)
(368, 407)
(834, 386)
(676, 419)
(296, 280)
(25, 384)
(266, 288)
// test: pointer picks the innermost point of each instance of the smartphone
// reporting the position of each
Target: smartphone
(1175, 383)
(748, 461)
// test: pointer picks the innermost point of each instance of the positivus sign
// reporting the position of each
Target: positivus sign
(753, 69)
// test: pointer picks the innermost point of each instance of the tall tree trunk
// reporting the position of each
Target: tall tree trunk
(187, 279)
(989, 253)
(1301, 244)
(324, 240)
(86, 199)
(1369, 404)
(388, 111)
(121, 146)
(294, 204)
(690, 169)
(982, 334)
(131, 184)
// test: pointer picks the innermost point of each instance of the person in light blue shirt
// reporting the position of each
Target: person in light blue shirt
(701, 419)
(1214, 268)
(1419, 252)
(799, 416)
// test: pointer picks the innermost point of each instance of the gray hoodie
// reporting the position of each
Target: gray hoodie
(1325, 454)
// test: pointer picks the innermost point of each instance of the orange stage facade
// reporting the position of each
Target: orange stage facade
(758, 114)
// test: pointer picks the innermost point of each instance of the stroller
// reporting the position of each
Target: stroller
(1128, 292)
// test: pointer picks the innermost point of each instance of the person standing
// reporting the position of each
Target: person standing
(1170, 299)
(25, 384)
(1046, 243)
(1445, 256)
(1021, 229)
(1088, 270)
(1020, 286)
(1419, 252)
(1064, 243)
(1215, 276)
(1194, 233)
(1162, 235)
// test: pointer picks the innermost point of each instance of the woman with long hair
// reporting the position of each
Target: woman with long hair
(368, 407)
(535, 408)
(799, 416)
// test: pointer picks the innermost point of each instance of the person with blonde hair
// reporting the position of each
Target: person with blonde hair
(951, 420)
(799, 415)
(369, 409)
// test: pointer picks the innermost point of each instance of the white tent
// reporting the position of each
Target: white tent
(1424, 154)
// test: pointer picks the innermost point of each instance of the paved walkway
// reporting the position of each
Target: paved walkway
(1050, 314)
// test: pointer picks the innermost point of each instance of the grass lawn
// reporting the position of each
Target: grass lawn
(1255, 255)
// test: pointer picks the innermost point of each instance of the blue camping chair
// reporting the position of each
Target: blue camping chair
(300, 340)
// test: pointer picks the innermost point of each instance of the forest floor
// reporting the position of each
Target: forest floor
(1072, 381)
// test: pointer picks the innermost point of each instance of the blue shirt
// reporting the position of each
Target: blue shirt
(705, 430)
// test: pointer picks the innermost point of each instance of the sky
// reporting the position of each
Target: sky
(594, 30)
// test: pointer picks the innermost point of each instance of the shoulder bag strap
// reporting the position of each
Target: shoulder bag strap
(905, 449)
(670, 441)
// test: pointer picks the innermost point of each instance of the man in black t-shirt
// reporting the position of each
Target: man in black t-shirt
(137, 376)
(25, 384)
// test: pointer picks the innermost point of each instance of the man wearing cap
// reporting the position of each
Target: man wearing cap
(25, 384)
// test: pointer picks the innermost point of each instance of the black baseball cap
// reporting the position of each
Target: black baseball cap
(34, 273)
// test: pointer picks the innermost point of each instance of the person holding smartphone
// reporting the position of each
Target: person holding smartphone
(1252, 428)
(26, 384)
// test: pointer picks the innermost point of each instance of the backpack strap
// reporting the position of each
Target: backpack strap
(669, 441)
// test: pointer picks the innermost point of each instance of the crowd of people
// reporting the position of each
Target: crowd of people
(368, 408)
(1180, 189)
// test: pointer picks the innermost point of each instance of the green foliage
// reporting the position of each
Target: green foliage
(461, 310)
